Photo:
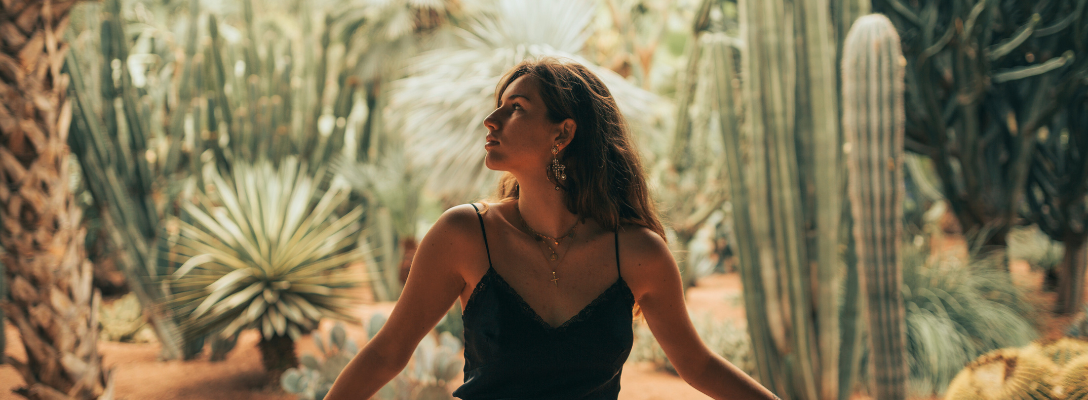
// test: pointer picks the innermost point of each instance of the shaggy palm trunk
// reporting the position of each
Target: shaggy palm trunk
(1071, 272)
(53, 304)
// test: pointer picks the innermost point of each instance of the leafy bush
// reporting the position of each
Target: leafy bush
(957, 311)
(725, 338)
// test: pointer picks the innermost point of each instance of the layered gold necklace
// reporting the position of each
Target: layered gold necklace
(549, 242)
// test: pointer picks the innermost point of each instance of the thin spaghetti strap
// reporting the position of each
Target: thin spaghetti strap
(486, 247)
(618, 252)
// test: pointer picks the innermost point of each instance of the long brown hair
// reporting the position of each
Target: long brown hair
(605, 180)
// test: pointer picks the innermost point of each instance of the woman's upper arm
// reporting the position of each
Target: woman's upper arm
(434, 282)
(655, 282)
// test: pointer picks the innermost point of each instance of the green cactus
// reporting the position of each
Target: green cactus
(1004, 374)
(313, 379)
(1073, 381)
(787, 191)
(873, 126)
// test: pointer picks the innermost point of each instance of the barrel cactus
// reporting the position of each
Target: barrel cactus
(1005, 374)
(1062, 351)
(873, 127)
(1073, 382)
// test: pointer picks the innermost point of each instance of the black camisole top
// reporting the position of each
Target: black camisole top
(512, 353)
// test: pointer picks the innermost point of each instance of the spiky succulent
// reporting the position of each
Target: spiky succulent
(1006, 374)
(1073, 382)
(1061, 351)
(266, 249)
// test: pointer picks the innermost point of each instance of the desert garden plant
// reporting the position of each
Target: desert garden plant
(266, 250)
(313, 379)
(957, 310)
(726, 338)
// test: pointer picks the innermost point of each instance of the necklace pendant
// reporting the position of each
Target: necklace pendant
(554, 279)
(555, 256)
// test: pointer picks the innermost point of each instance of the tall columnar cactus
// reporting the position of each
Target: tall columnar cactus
(873, 124)
(787, 192)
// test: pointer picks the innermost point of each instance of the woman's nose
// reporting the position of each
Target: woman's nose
(492, 123)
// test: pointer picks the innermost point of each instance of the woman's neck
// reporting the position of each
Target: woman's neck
(543, 208)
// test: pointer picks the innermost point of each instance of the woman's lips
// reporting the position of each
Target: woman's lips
(490, 144)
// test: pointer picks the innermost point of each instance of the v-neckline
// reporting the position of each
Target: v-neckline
(581, 314)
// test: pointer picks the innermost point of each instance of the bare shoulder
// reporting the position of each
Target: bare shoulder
(648, 267)
(454, 235)
(457, 224)
(643, 251)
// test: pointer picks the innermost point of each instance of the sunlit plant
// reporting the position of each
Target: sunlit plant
(266, 249)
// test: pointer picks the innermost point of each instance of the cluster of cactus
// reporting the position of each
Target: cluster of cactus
(121, 320)
(1039, 371)
(434, 365)
(788, 192)
(726, 338)
(313, 379)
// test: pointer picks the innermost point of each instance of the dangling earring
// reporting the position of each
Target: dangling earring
(558, 169)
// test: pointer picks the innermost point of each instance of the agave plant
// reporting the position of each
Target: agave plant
(262, 254)
(448, 93)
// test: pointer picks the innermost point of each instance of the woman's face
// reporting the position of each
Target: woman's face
(520, 136)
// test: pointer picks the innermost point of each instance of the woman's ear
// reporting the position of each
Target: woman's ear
(567, 128)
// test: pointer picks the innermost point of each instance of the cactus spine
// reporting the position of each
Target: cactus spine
(873, 123)
(1073, 382)
(787, 192)
(1006, 374)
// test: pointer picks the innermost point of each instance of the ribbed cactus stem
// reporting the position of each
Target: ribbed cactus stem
(873, 123)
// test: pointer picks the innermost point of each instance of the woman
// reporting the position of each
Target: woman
(551, 272)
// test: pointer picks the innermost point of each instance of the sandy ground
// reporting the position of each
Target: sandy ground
(139, 375)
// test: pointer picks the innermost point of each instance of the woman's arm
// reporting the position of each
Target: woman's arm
(433, 285)
(654, 279)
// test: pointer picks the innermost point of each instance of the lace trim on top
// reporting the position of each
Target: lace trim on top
(583, 314)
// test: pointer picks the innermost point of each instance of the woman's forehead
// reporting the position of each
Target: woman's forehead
(525, 86)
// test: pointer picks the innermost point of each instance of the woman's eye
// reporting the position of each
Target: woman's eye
(517, 107)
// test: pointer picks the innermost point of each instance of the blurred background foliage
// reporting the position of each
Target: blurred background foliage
(376, 107)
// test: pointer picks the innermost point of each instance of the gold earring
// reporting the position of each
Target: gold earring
(559, 170)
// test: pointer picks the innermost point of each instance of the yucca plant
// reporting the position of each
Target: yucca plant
(266, 250)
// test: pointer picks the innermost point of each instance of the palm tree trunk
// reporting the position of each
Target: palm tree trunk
(53, 304)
